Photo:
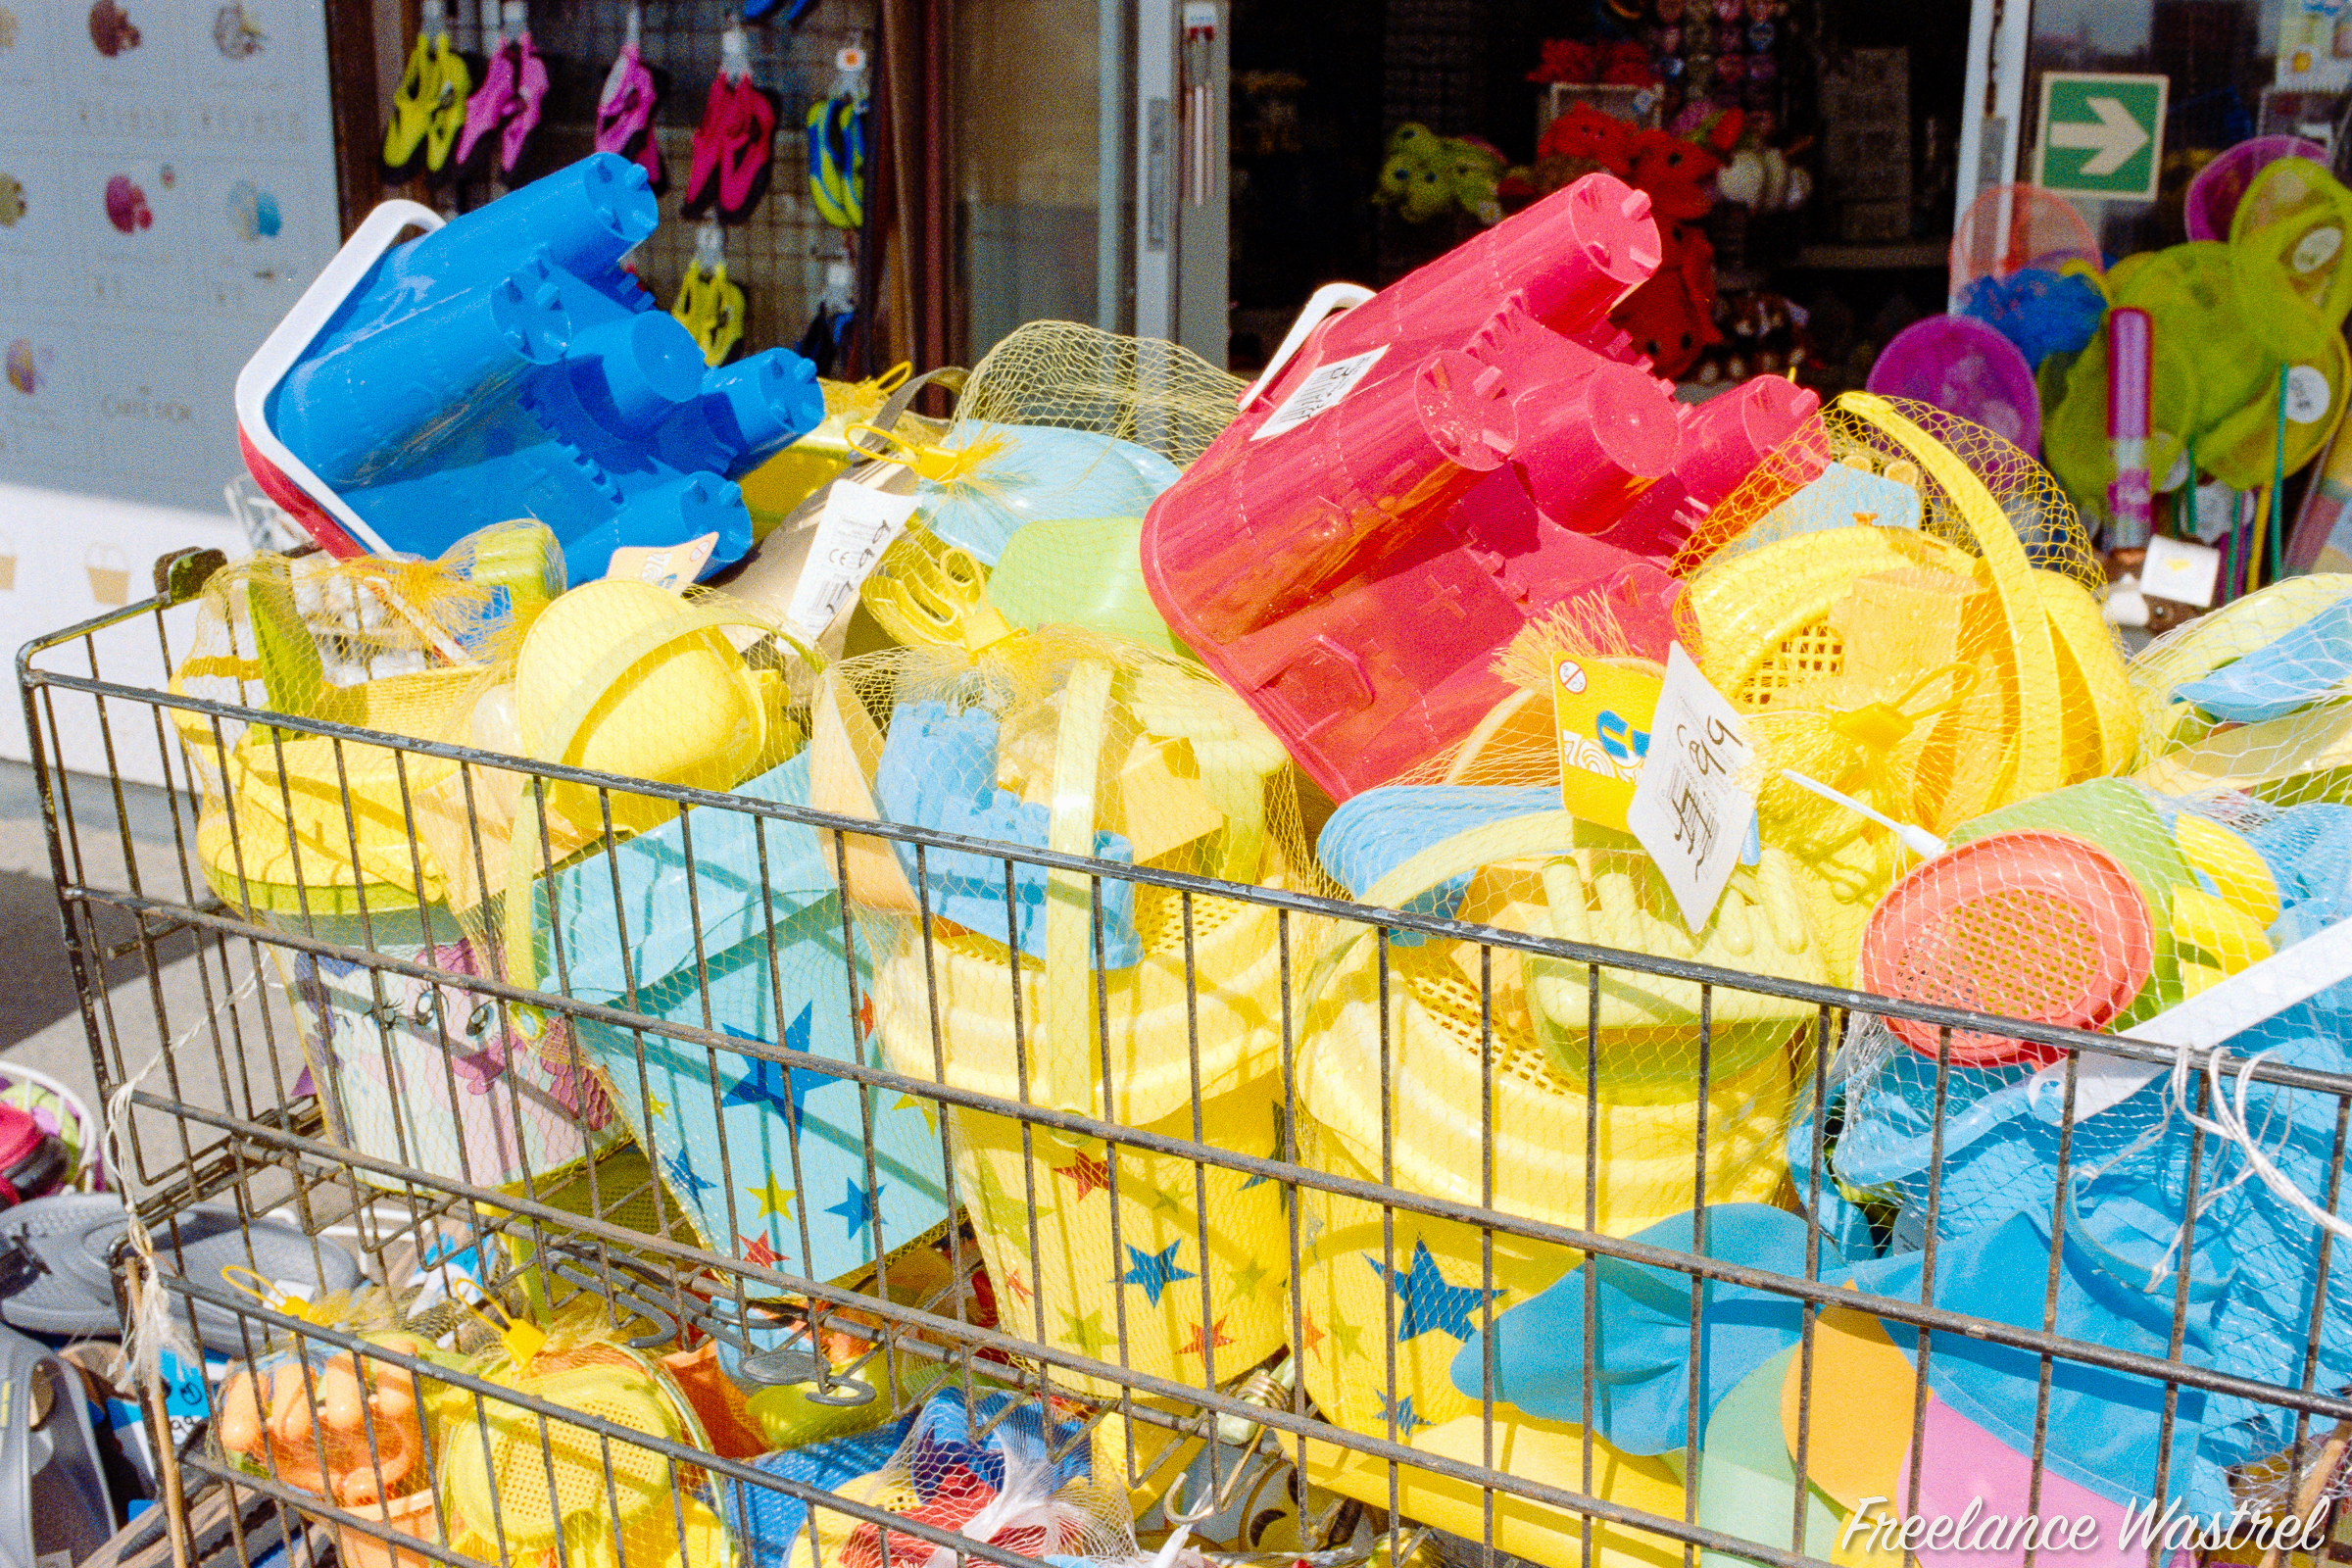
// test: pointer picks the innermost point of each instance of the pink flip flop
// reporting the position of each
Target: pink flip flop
(625, 114)
(521, 115)
(487, 109)
(743, 164)
(712, 138)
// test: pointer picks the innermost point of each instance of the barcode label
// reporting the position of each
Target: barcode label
(1690, 809)
(1324, 386)
(857, 526)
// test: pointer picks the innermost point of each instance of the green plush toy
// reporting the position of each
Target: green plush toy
(1427, 176)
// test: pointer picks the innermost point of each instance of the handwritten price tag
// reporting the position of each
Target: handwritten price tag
(1691, 809)
(856, 527)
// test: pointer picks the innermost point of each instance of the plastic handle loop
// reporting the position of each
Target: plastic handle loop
(556, 746)
(252, 1282)
(1062, 1065)
(2035, 764)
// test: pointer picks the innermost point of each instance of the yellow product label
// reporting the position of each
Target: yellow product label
(1601, 709)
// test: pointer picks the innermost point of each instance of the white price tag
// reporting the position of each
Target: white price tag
(1324, 386)
(858, 523)
(1689, 809)
(2180, 572)
(2308, 395)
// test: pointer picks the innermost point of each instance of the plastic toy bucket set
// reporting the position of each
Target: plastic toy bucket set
(1889, 635)
(312, 834)
(1157, 1009)
(779, 1163)
(1379, 1285)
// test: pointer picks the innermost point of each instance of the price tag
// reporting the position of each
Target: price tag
(1324, 386)
(858, 523)
(2180, 572)
(670, 566)
(2308, 395)
(1689, 808)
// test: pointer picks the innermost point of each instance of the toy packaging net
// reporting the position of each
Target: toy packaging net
(1143, 1005)
(2251, 698)
(374, 847)
(1912, 628)
(517, 1483)
(1157, 395)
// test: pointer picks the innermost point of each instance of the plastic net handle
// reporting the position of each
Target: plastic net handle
(2040, 754)
(1062, 1067)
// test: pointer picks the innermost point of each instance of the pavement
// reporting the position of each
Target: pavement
(202, 996)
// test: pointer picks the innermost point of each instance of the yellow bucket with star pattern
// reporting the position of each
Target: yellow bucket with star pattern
(1386, 1298)
(1143, 1006)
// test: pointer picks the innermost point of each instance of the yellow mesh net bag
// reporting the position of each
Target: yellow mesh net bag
(1155, 394)
(1153, 1007)
(1420, 1059)
(1901, 603)
(539, 1491)
(374, 848)
(1059, 423)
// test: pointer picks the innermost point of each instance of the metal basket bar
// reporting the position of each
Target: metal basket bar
(682, 1453)
(1344, 910)
(1389, 1199)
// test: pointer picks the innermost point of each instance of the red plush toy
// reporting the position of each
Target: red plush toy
(1585, 133)
(1626, 64)
(1680, 175)
(1672, 317)
(1567, 60)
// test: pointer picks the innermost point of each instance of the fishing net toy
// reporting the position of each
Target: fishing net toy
(2280, 280)
(543, 1492)
(2251, 697)
(368, 846)
(1912, 629)
(1965, 368)
(1086, 996)
(2024, 263)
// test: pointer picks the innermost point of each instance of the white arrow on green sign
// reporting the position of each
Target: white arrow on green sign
(2101, 135)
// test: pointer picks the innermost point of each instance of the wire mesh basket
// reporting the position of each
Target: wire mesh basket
(1522, 1304)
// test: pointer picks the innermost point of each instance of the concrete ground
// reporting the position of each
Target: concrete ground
(205, 1002)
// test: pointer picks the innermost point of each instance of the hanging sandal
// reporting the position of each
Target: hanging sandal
(836, 131)
(522, 114)
(711, 139)
(487, 109)
(710, 308)
(450, 83)
(744, 162)
(411, 107)
(625, 112)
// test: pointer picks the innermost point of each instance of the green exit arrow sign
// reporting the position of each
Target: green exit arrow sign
(2101, 135)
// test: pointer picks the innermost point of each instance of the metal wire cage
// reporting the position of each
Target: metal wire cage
(1664, 1398)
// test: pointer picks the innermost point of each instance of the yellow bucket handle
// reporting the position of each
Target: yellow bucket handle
(607, 672)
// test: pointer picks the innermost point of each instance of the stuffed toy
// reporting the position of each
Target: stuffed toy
(1677, 174)
(1427, 176)
(1568, 60)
